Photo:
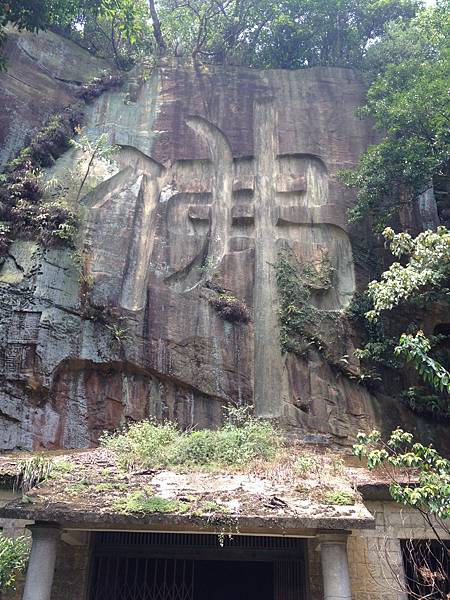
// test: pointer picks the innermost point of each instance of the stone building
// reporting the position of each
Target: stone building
(253, 535)
(168, 309)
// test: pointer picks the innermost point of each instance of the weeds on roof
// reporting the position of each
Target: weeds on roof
(241, 440)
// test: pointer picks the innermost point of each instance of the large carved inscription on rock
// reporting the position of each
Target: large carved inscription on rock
(224, 218)
(218, 171)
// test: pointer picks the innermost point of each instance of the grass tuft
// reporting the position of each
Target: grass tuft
(340, 497)
(145, 503)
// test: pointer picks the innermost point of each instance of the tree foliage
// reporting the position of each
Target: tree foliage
(419, 479)
(426, 266)
(257, 33)
(416, 349)
(319, 32)
(33, 15)
(428, 488)
(116, 29)
(120, 30)
(286, 34)
(409, 72)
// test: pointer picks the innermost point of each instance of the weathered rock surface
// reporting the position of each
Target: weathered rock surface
(42, 73)
(218, 170)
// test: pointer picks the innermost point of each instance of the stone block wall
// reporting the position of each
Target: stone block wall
(375, 559)
(71, 572)
(314, 570)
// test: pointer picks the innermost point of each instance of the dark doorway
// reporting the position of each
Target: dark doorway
(218, 580)
(120, 578)
(145, 566)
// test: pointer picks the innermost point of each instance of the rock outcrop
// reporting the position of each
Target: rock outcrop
(218, 171)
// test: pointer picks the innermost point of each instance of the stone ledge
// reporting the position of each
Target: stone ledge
(84, 518)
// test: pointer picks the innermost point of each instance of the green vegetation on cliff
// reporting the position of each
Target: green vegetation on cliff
(408, 70)
(31, 206)
(417, 280)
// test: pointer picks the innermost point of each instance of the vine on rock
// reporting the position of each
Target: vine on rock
(300, 320)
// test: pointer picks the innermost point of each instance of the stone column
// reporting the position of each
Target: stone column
(336, 579)
(41, 566)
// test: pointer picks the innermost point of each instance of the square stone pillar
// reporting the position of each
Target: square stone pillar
(336, 578)
(41, 565)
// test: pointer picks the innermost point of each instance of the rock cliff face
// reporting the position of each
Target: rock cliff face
(218, 171)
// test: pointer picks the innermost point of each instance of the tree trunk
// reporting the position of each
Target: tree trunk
(157, 28)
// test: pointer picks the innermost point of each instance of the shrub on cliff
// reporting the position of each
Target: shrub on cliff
(27, 210)
(231, 309)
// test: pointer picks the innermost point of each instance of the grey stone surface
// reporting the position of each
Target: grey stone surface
(335, 573)
(43, 71)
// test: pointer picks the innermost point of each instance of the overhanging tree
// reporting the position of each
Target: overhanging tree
(258, 33)
(409, 72)
(426, 268)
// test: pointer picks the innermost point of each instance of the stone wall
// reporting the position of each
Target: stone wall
(71, 572)
(374, 556)
(218, 170)
(314, 570)
(375, 559)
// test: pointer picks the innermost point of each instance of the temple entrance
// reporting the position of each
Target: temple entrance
(146, 566)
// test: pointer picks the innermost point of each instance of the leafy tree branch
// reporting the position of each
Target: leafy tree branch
(427, 266)
(419, 476)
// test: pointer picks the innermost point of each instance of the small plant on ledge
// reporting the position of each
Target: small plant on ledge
(227, 305)
(340, 498)
(145, 502)
(98, 85)
(118, 332)
(231, 308)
